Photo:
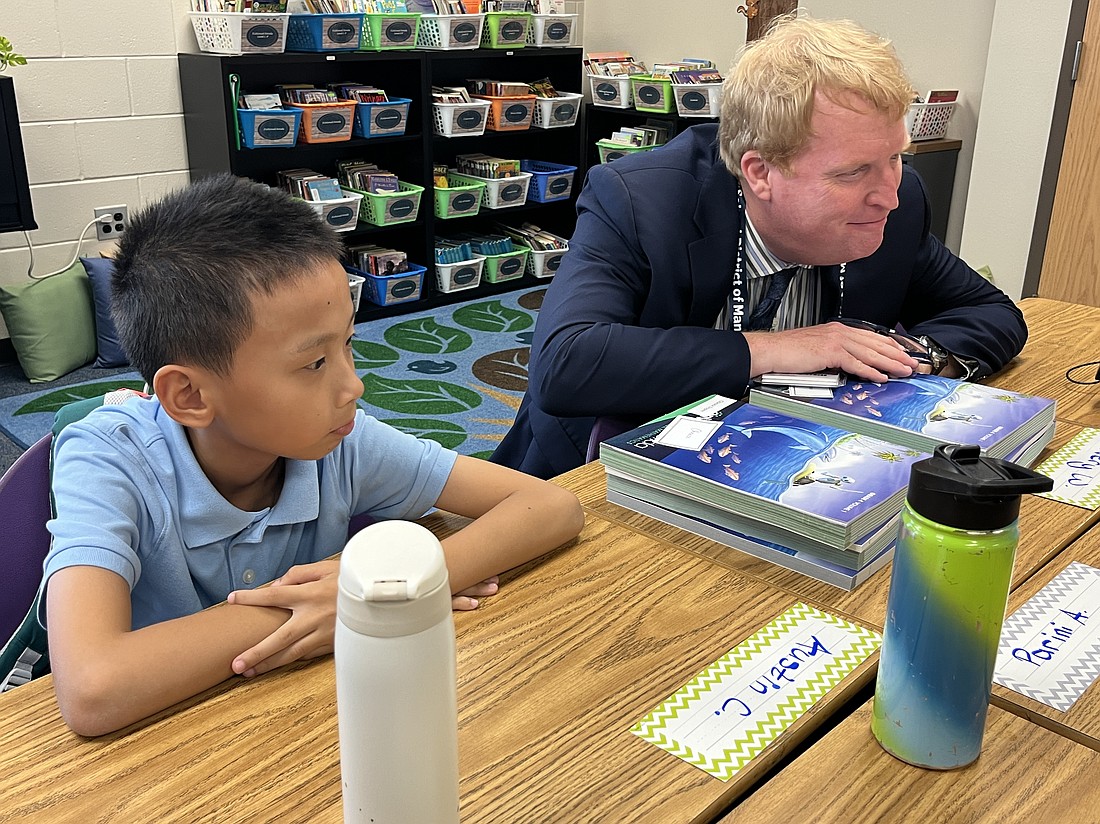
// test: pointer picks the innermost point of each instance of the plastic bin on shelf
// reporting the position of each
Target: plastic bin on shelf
(551, 30)
(509, 113)
(697, 99)
(355, 283)
(613, 92)
(388, 208)
(454, 277)
(324, 32)
(341, 214)
(224, 32)
(269, 128)
(544, 263)
(499, 193)
(325, 122)
(556, 112)
(610, 150)
(928, 121)
(505, 29)
(450, 31)
(385, 119)
(386, 290)
(652, 94)
(508, 266)
(549, 181)
(460, 119)
(458, 199)
(389, 31)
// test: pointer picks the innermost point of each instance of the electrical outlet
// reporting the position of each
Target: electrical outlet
(120, 219)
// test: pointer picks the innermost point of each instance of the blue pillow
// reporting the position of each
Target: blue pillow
(109, 351)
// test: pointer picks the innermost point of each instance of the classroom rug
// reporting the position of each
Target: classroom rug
(454, 374)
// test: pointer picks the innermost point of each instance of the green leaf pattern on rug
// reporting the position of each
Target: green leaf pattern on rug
(418, 397)
(52, 401)
(426, 336)
(446, 433)
(492, 316)
(371, 355)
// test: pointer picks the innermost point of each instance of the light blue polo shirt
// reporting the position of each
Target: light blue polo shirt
(130, 497)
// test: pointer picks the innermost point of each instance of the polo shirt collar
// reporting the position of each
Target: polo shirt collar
(206, 517)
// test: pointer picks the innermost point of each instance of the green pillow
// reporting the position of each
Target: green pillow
(51, 323)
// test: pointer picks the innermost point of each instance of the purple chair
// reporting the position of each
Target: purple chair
(604, 428)
(24, 510)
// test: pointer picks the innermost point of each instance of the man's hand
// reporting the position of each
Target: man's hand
(859, 352)
(308, 592)
(467, 599)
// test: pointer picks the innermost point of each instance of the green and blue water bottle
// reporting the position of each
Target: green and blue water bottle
(948, 592)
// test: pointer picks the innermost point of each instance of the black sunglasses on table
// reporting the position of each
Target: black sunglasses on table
(917, 350)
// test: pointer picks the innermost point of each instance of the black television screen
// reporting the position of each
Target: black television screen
(15, 194)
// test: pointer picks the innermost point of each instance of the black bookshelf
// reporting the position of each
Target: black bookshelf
(601, 121)
(209, 122)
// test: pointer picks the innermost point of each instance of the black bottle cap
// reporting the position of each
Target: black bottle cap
(958, 487)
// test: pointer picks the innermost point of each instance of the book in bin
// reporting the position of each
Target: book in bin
(768, 468)
(924, 411)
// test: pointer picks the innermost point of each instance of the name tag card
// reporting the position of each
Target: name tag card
(727, 714)
(1075, 469)
(1050, 647)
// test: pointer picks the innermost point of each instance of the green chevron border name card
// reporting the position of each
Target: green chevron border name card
(727, 714)
(1075, 469)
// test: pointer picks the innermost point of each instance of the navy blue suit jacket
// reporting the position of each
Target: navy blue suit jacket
(626, 328)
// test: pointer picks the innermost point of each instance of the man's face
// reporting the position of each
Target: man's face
(831, 206)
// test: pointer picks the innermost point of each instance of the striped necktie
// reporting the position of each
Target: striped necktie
(763, 316)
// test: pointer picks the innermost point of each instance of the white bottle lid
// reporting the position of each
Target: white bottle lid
(393, 580)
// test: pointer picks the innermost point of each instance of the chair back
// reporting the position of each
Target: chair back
(24, 510)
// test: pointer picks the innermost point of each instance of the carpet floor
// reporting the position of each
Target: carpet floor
(454, 374)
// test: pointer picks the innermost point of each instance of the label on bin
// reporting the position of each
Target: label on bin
(511, 192)
(273, 128)
(401, 208)
(340, 216)
(556, 31)
(694, 101)
(330, 123)
(397, 31)
(260, 36)
(464, 275)
(512, 30)
(613, 156)
(401, 289)
(340, 33)
(388, 119)
(510, 266)
(468, 119)
(565, 111)
(516, 113)
(463, 202)
(463, 32)
(650, 95)
(607, 91)
(558, 185)
(552, 263)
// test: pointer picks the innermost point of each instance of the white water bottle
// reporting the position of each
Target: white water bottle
(395, 678)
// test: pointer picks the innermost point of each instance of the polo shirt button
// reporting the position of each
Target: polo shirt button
(249, 576)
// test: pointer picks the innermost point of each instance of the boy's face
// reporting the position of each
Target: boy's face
(292, 388)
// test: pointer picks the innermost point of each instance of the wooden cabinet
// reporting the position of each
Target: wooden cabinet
(212, 144)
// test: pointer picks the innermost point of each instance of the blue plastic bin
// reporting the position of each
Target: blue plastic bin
(381, 119)
(549, 181)
(269, 128)
(324, 32)
(386, 290)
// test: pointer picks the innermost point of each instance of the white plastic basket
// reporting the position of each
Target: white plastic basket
(614, 92)
(556, 112)
(459, 120)
(355, 283)
(928, 121)
(543, 263)
(499, 193)
(449, 31)
(454, 277)
(697, 99)
(342, 214)
(552, 30)
(224, 32)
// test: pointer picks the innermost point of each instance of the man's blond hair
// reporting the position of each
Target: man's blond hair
(768, 97)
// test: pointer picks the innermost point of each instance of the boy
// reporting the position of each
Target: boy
(244, 467)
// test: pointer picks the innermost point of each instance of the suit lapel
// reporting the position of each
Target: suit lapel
(711, 257)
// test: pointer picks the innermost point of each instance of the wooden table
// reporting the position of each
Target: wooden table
(552, 673)
(1025, 773)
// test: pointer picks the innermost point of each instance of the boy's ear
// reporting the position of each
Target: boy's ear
(755, 174)
(180, 391)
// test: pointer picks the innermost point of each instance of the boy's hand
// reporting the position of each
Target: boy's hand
(467, 599)
(309, 593)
